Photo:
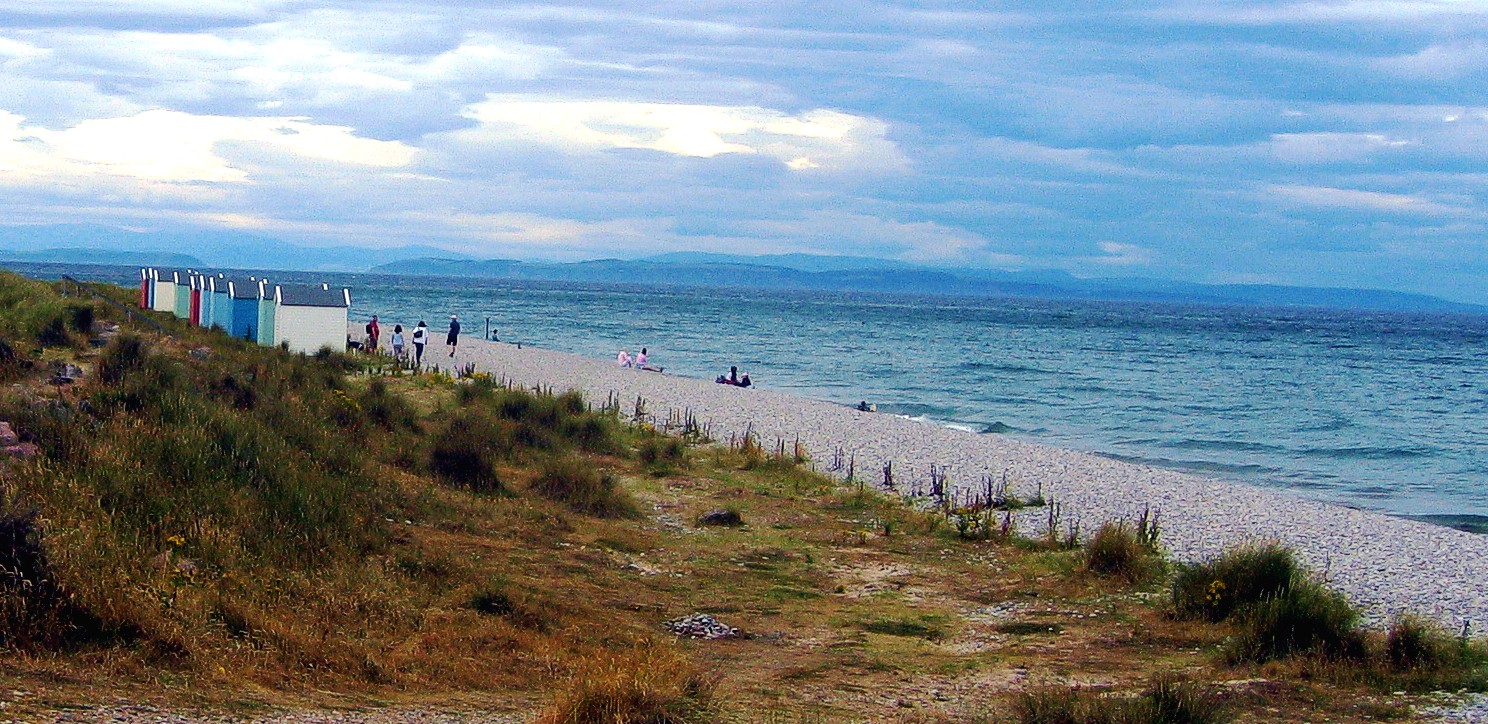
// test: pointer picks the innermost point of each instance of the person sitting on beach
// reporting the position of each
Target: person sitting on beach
(641, 362)
(744, 380)
(623, 359)
(731, 379)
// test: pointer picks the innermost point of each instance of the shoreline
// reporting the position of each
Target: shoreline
(1385, 564)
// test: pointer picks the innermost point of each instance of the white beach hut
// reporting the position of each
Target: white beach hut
(164, 298)
(309, 317)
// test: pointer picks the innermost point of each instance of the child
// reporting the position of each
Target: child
(398, 341)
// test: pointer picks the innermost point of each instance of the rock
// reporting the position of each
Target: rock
(22, 451)
(701, 626)
(201, 353)
(721, 517)
(8, 435)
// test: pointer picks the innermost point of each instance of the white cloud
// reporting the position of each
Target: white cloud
(1312, 148)
(817, 139)
(1358, 200)
(175, 147)
(1119, 254)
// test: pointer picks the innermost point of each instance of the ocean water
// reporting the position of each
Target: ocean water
(1384, 411)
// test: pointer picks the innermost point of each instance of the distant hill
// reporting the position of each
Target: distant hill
(222, 249)
(838, 274)
(102, 256)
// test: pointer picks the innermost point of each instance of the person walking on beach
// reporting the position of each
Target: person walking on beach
(420, 338)
(373, 332)
(398, 341)
(454, 334)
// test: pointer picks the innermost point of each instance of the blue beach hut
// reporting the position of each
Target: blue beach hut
(242, 314)
(216, 304)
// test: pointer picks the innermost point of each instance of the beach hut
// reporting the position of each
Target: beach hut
(309, 317)
(145, 285)
(221, 304)
(182, 280)
(193, 312)
(265, 313)
(164, 298)
(242, 315)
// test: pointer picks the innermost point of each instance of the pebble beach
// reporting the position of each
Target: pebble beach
(1386, 565)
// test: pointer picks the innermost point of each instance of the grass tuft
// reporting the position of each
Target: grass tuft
(647, 685)
(576, 483)
(1116, 550)
(1215, 589)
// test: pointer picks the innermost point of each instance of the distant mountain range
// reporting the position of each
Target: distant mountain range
(218, 249)
(80, 244)
(103, 256)
(879, 275)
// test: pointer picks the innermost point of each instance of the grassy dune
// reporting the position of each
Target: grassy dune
(215, 526)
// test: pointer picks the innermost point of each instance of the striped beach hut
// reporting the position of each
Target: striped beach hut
(308, 317)
(164, 297)
(146, 288)
(265, 313)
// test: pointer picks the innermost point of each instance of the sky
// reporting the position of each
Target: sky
(1338, 143)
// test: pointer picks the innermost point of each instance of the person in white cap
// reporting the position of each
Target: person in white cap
(454, 334)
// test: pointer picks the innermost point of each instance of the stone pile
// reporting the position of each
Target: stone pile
(701, 626)
(11, 445)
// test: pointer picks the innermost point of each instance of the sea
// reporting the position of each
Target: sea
(1384, 411)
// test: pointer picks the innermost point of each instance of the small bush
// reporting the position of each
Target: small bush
(387, 410)
(1215, 589)
(1115, 550)
(662, 455)
(650, 685)
(1166, 701)
(1305, 618)
(1421, 656)
(465, 451)
(1415, 643)
(124, 355)
(576, 483)
(498, 601)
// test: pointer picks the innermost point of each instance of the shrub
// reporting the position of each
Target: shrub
(1217, 588)
(1115, 550)
(1422, 656)
(1166, 701)
(662, 454)
(516, 609)
(385, 409)
(576, 483)
(465, 451)
(124, 355)
(1415, 643)
(1304, 618)
(649, 685)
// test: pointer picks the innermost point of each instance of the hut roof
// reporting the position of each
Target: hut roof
(243, 288)
(306, 295)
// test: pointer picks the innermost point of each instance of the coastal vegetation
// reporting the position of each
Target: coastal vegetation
(210, 525)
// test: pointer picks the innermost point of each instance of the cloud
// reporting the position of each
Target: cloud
(1358, 200)
(1317, 148)
(174, 147)
(816, 139)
